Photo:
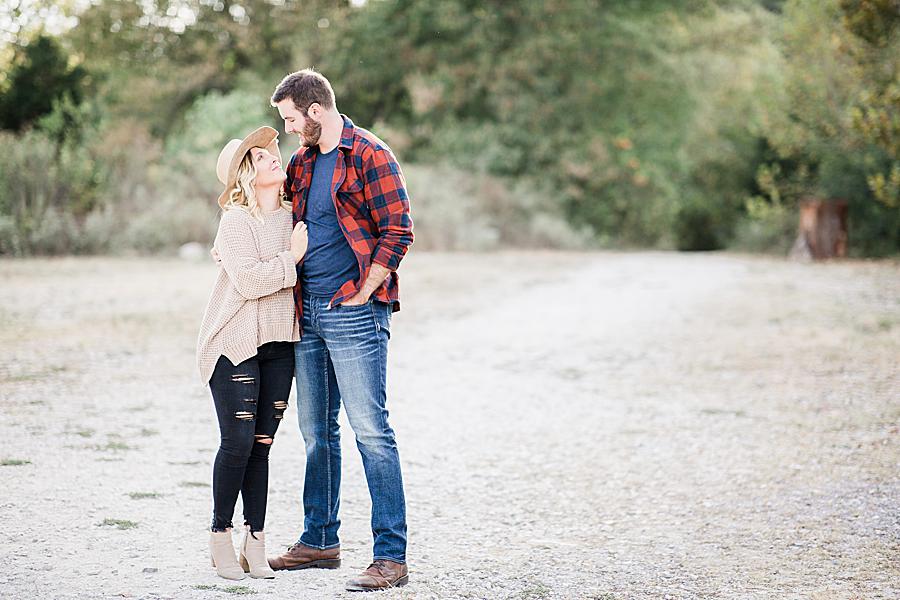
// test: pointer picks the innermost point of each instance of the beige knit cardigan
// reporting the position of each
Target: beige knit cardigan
(252, 302)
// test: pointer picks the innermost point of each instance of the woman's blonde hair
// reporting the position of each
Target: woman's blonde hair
(243, 194)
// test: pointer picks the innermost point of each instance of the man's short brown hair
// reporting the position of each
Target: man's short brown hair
(304, 88)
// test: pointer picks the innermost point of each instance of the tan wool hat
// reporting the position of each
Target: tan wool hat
(233, 153)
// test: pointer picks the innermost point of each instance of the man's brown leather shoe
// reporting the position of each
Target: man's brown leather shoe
(381, 575)
(301, 556)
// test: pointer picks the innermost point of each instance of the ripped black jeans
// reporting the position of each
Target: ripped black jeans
(250, 401)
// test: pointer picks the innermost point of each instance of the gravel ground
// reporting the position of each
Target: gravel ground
(606, 426)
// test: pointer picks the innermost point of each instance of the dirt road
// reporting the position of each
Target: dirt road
(606, 426)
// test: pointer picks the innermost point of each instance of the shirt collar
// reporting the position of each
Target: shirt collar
(347, 133)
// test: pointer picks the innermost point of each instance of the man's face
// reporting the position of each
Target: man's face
(306, 127)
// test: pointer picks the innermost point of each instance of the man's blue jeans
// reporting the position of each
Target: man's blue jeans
(342, 357)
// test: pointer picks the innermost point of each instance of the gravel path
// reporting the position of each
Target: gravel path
(606, 426)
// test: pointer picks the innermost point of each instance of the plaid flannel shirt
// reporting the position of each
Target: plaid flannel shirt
(372, 206)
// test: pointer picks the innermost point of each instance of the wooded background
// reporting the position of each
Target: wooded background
(690, 124)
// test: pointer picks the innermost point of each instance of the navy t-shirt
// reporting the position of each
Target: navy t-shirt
(329, 260)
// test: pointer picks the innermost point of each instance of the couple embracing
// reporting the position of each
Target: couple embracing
(306, 286)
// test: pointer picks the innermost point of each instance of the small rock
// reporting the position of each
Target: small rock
(150, 570)
(192, 251)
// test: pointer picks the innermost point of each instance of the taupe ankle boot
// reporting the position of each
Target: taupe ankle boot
(253, 555)
(221, 550)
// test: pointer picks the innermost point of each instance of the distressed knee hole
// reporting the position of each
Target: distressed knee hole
(243, 378)
(244, 415)
(280, 405)
(279, 416)
(250, 400)
(263, 439)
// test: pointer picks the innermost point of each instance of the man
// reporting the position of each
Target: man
(346, 185)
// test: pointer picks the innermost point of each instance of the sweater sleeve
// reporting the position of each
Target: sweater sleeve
(253, 278)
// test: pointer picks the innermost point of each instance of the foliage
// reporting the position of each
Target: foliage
(876, 112)
(46, 187)
(454, 210)
(836, 124)
(157, 58)
(209, 123)
(40, 77)
(621, 111)
(692, 124)
(577, 96)
(697, 225)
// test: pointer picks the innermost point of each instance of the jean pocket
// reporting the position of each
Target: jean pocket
(382, 314)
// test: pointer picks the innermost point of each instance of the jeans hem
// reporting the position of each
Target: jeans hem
(401, 561)
(318, 546)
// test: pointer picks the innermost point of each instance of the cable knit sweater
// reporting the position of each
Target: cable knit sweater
(252, 302)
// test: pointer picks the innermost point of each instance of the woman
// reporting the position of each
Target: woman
(245, 349)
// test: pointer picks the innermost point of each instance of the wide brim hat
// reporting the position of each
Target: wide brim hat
(233, 153)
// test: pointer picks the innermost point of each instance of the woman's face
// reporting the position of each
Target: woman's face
(268, 168)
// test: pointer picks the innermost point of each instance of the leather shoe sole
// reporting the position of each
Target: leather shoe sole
(329, 563)
(359, 588)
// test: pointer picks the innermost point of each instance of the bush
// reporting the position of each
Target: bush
(768, 227)
(697, 226)
(9, 237)
(455, 210)
(830, 128)
(167, 224)
(211, 121)
(45, 186)
(54, 233)
(74, 198)
(99, 232)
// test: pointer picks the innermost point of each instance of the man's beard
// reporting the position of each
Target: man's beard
(312, 130)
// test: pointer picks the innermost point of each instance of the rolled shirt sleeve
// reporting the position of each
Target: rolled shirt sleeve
(388, 200)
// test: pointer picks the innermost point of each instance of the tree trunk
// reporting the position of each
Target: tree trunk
(823, 230)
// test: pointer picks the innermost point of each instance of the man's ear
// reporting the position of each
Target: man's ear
(315, 111)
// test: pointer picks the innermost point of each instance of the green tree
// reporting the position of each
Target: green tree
(157, 58)
(876, 111)
(40, 77)
(576, 96)
(834, 128)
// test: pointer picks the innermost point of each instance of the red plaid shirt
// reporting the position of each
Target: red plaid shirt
(372, 206)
